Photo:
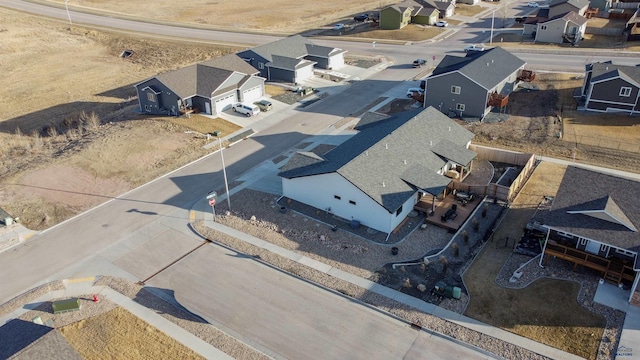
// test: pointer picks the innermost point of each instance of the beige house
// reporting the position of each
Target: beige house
(561, 7)
(569, 27)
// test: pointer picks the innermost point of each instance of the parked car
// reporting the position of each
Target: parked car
(533, 4)
(411, 91)
(474, 48)
(442, 23)
(361, 17)
(520, 20)
(263, 105)
(419, 63)
(247, 109)
(338, 26)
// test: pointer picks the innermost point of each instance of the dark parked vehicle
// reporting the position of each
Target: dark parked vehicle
(361, 17)
(423, 84)
(419, 63)
(264, 105)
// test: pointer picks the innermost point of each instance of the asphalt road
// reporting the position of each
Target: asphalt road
(459, 36)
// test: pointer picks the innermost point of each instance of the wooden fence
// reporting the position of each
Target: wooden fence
(507, 189)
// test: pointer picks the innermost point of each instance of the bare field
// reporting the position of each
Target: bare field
(238, 15)
(56, 162)
(119, 334)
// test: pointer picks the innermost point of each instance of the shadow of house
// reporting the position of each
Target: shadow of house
(28, 340)
(148, 297)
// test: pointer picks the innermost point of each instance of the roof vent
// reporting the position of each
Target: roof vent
(383, 185)
(492, 61)
(449, 128)
(430, 142)
(366, 153)
(386, 146)
(487, 64)
(405, 161)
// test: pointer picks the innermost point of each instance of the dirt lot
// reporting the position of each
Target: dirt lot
(56, 162)
(238, 15)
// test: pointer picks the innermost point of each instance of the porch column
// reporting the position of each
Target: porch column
(634, 286)
(433, 204)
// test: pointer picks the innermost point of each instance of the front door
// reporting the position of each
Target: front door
(207, 107)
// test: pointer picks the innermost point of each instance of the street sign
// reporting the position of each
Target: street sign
(212, 201)
(212, 195)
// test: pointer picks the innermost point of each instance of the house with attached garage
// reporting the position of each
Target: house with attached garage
(610, 88)
(399, 15)
(377, 176)
(561, 7)
(209, 87)
(292, 59)
(593, 221)
(470, 86)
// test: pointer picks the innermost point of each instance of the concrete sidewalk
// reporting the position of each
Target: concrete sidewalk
(79, 287)
(201, 211)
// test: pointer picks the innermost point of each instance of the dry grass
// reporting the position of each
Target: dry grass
(203, 124)
(597, 22)
(547, 310)
(292, 16)
(611, 131)
(274, 90)
(410, 32)
(118, 334)
(468, 10)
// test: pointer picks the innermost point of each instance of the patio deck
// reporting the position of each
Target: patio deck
(463, 211)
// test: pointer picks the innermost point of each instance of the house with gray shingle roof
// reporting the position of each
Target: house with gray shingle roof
(378, 175)
(568, 27)
(292, 59)
(611, 88)
(462, 86)
(208, 87)
(594, 220)
(561, 7)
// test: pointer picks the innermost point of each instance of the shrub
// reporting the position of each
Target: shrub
(444, 262)
(465, 236)
(475, 224)
(456, 250)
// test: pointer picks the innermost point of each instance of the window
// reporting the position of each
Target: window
(337, 197)
(460, 107)
(151, 97)
(260, 65)
(455, 89)
(625, 252)
(543, 27)
(625, 91)
(352, 202)
(399, 211)
(147, 109)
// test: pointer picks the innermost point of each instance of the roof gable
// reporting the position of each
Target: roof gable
(584, 205)
(578, 4)
(571, 16)
(604, 71)
(231, 62)
(487, 68)
(291, 47)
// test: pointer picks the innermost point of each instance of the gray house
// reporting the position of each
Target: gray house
(593, 221)
(292, 59)
(611, 88)
(465, 86)
(209, 87)
(378, 175)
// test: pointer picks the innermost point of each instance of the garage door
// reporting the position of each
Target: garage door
(252, 94)
(224, 103)
(336, 62)
(304, 73)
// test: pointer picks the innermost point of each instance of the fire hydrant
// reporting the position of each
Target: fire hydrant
(95, 298)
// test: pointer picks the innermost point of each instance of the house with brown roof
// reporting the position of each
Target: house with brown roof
(208, 87)
(593, 221)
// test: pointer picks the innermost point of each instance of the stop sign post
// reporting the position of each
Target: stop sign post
(211, 197)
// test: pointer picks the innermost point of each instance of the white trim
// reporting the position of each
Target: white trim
(455, 89)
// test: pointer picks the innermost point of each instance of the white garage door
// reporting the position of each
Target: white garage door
(336, 62)
(304, 73)
(252, 94)
(225, 103)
